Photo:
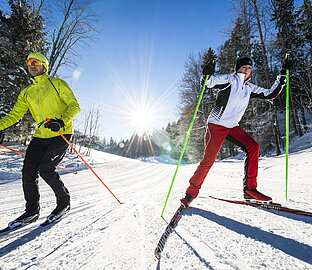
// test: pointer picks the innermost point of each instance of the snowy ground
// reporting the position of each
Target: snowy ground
(99, 233)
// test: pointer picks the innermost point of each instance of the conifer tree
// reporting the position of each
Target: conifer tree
(288, 41)
(21, 32)
(304, 26)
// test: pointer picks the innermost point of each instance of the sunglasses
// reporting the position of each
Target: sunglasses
(34, 62)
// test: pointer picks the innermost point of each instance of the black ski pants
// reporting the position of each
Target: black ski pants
(42, 157)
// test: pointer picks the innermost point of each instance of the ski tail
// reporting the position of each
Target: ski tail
(172, 224)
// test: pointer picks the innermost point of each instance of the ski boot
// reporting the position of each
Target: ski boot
(58, 212)
(253, 195)
(24, 219)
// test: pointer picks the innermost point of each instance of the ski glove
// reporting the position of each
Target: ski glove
(286, 64)
(209, 67)
(54, 124)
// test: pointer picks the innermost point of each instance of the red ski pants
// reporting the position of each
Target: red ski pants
(215, 137)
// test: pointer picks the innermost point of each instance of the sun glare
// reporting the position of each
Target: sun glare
(142, 119)
(138, 99)
(144, 102)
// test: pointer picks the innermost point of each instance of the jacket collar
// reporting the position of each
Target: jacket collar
(40, 78)
(241, 77)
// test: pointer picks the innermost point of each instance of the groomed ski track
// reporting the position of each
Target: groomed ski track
(99, 233)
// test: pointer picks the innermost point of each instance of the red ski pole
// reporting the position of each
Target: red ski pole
(24, 155)
(48, 120)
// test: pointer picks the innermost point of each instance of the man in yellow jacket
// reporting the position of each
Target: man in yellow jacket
(45, 98)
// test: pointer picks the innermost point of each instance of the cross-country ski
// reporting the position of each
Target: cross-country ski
(172, 224)
(271, 206)
(9, 233)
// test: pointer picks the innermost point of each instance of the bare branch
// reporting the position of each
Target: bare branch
(75, 31)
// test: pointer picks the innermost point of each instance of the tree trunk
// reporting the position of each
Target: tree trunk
(275, 132)
(262, 43)
(294, 116)
(279, 132)
(296, 122)
(304, 120)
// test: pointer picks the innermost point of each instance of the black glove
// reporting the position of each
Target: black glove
(286, 64)
(54, 124)
(209, 67)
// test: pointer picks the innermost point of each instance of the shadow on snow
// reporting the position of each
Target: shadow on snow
(289, 246)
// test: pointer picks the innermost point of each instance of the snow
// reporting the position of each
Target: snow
(99, 233)
(160, 159)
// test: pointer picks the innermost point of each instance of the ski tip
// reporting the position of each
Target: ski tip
(157, 255)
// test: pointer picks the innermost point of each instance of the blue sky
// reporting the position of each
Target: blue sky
(136, 62)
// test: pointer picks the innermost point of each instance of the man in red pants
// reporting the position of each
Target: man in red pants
(233, 97)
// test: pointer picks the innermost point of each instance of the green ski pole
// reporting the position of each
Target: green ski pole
(187, 137)
(287, 124)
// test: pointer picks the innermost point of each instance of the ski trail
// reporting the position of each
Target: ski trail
(70, 244)
(210, 235)
(289, 226)
(206, 251)
(208, 257)
(123, 231)
(28, 228)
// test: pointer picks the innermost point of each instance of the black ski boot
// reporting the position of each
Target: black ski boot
(58, 212)
(24, 219)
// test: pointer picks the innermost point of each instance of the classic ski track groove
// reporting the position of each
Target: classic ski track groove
(201, 250)
(234, 265)
(32, 226)
(299, 236)
(127, 211)
(49, 255)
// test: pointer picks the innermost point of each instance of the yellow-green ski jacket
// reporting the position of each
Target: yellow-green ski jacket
(46, 97)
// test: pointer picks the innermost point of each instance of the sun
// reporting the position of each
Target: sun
(144, 103)
(142, 118)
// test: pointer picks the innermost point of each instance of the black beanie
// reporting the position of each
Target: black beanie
(242, 62)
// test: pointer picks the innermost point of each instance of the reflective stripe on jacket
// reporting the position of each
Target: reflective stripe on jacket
(45, 98)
